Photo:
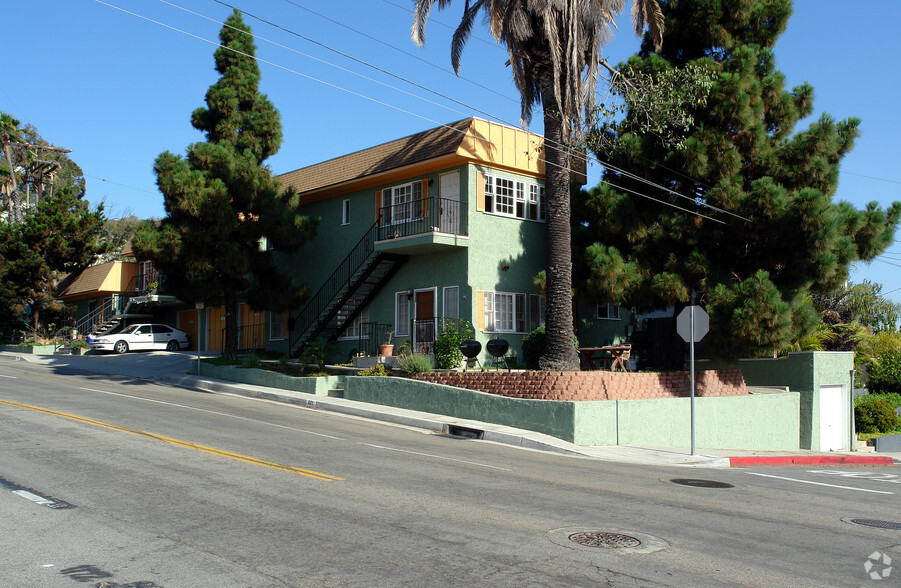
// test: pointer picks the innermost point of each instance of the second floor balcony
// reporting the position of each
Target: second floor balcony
(422, 226)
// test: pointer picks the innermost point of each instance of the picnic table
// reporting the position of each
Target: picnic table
(593, 357)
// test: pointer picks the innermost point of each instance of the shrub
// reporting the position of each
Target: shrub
(378, 369)
(447, 346)
(80, 344)
(415, 363)
(873, 414)
(250, 361)
(885, 373)
(318, 352)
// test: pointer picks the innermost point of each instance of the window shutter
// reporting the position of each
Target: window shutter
(378, 203)
(480, 309)
(480, 192)
(425, 199)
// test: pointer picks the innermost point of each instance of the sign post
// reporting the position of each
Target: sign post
(692, 324)
(199, 307)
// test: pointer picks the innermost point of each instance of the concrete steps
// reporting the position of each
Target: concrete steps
(862, 447)
(337, 391)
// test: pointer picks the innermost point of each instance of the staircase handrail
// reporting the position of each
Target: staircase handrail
(339, 279)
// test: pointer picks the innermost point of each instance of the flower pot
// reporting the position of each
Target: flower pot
(386, 350)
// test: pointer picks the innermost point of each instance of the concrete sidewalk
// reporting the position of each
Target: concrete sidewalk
(176, 369)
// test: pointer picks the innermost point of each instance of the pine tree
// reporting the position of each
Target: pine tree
(752, 272)
(61, 235)
(221, 201)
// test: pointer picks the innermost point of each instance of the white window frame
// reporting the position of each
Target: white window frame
(356, 328)
(281, 326)
(402, 314)
(610, 311)
(345, 212)
(410, 206)
(536, 311)
(507, 197)
(504, 312)
(451, 311)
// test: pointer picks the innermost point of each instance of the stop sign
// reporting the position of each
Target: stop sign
(683, 323)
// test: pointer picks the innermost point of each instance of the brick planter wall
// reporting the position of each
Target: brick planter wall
(593, 385)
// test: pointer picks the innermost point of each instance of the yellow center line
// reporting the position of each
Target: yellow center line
(178, 442)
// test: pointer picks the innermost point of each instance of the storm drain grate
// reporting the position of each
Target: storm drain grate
(602, 539)
(878, 524)
(701, 483)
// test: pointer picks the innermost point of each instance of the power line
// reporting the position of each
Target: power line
(371, 99)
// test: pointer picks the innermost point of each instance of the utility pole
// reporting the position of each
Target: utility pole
(39, 168)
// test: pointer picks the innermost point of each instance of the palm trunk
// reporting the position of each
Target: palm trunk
(559, 352)
(230, 345)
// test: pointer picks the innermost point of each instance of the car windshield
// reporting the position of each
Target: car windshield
(130, 330)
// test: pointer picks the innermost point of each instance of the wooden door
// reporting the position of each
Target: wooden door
(425, 321)
(252, 329)
(216, 327)
(187, 322)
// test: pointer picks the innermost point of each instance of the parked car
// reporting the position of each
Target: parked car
(142, 336)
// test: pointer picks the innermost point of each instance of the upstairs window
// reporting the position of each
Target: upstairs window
(402, 203)
(514, 198)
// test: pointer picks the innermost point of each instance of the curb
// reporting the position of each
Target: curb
(807, 460)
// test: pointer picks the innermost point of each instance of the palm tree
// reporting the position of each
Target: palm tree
(10, 133)
(554, 53)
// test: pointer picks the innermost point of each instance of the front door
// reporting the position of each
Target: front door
(449, 203)
(424, 334)
(217, 328)
(187, 322)
(833, 432)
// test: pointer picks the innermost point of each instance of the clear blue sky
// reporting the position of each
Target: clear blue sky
(118, 89)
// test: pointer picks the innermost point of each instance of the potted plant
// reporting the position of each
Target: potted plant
(387, 348)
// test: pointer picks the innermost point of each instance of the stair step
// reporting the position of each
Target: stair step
(336, 393)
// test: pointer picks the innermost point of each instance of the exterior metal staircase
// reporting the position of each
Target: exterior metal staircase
(114, 308)
(344, 294)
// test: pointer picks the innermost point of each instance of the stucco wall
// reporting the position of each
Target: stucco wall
(754, 422)
(802, 372)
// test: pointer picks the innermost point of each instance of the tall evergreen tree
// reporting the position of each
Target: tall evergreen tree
(752, 272)
(61, 235)
(554, 54)
(222, 202)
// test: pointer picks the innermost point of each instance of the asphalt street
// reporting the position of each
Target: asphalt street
(131, 482)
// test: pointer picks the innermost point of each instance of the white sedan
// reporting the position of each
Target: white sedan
(146, 336)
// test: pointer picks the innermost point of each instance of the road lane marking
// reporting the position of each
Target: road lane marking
(178, 442)
(10, 377)
(286, 427)
(436, 457)
(820, 483)
(225, 414)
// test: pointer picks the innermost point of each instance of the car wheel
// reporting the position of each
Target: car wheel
(172, 345)
(120, 347)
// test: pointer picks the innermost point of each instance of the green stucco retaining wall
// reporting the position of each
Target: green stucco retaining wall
(30, 349)
(759, 422)
(765, 422)
(319, 385)
(544, 416)
(802, 372)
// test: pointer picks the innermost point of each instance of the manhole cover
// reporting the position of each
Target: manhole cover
(701, 483)
(602, 539)
(879, 524)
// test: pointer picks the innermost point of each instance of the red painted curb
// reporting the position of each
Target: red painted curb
(803, 460)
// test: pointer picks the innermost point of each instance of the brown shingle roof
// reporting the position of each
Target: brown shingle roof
(422, 146)
(88, 280)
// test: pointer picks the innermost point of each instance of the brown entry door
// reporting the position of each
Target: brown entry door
(425, 321)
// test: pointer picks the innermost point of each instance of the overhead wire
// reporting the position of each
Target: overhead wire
(371, 99)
